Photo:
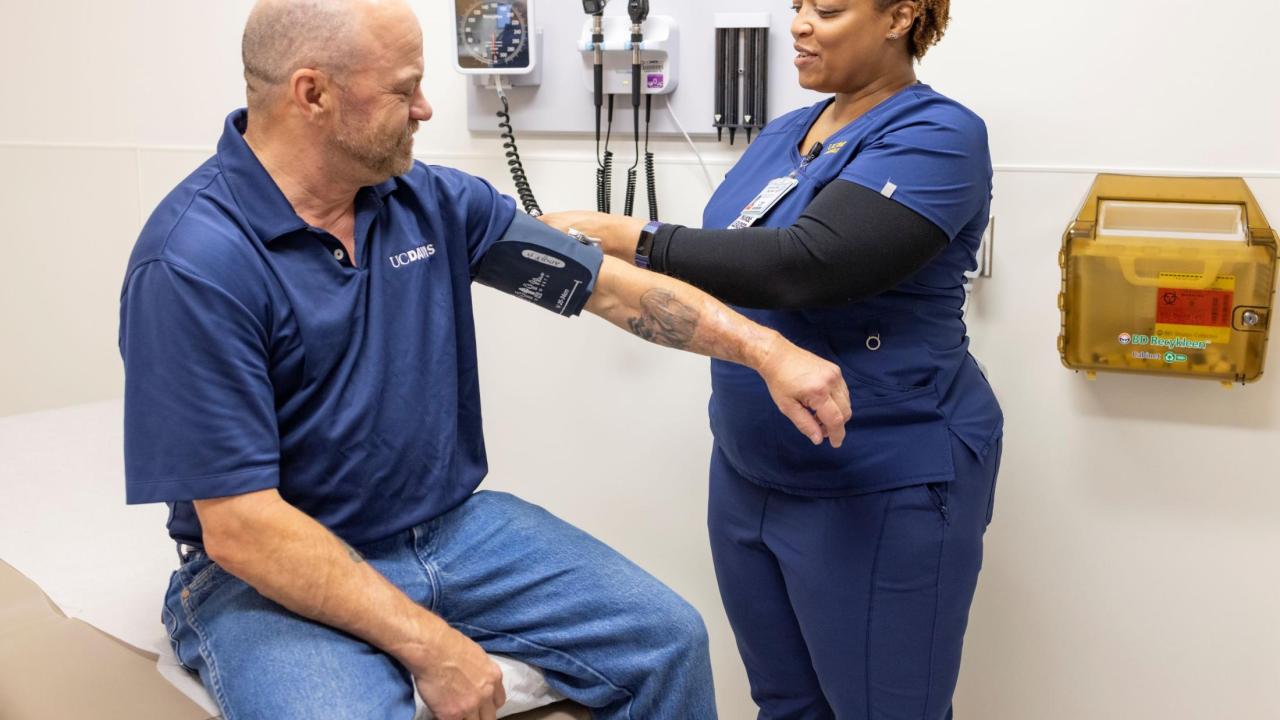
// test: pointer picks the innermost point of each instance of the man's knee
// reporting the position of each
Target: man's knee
(682, 625)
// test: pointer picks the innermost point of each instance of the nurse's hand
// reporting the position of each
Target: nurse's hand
(810, 391)
(618, 234)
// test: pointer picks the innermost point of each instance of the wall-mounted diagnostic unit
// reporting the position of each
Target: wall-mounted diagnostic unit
(573, 68)
(494, 38)
(1168, 276)
(497, 42)
(633, 56)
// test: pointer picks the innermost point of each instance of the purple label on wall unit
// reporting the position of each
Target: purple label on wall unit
(657, 81)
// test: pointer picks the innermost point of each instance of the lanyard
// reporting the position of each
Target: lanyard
(773, 193)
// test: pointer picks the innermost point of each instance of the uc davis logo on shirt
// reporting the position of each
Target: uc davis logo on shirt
(412, 256)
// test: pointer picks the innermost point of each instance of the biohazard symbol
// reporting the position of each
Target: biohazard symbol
(1171, 298)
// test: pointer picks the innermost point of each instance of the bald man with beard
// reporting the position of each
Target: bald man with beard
(301, 390)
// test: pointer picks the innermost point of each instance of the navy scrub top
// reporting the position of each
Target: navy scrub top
(258, 356)
(904, 353)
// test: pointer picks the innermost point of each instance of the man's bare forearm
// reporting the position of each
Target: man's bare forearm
(671, 313)
(295, 561)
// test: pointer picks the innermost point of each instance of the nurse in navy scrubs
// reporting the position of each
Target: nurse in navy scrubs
(848, 572)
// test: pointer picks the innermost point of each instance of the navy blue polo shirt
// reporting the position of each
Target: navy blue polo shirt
(904, 352)
(258, 356)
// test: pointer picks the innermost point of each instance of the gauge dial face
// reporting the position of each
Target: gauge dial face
(493, 33)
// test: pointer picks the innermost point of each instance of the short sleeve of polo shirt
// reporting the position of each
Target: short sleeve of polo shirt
(936, 163)
(200, 417)
(488, 213)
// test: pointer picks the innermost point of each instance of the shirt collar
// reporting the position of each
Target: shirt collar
(265, 207)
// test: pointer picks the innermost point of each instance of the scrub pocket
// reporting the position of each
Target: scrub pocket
(897, 436)
(997, 456)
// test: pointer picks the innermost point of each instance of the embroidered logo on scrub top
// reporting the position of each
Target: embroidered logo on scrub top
(834, 148)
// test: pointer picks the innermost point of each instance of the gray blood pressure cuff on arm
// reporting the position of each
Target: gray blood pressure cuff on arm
(538, 263)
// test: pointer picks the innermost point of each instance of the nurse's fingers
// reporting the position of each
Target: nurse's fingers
(841, 395)
(804, 421)
(832, 419)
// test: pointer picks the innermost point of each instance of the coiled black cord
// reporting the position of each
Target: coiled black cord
(630, 204)
(513, 160)
(631, 191)
(604, 173)
(604, 183)
(650, 171)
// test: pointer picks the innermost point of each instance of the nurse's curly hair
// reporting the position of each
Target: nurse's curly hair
(932, 17)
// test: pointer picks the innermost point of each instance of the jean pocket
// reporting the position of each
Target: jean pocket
(172, 627)
(199, 577)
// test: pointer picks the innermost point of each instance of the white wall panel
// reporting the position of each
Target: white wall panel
(70, 221)
(1178, 84)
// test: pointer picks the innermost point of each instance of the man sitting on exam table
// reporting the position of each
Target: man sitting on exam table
(301, 388)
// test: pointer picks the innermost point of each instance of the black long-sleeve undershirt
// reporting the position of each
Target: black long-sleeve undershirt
(851, 243)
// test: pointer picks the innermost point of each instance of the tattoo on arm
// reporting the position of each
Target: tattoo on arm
(665, 320)
(354, 554)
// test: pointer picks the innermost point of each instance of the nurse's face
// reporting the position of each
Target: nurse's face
(843, 46)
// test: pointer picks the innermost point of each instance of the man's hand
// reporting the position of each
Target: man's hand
(459, 681)
(618, 234)
(290, 558)
(807, 389)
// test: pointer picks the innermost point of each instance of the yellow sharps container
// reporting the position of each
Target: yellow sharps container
(1168, 276)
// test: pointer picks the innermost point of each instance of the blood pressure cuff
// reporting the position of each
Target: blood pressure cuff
(538, 263)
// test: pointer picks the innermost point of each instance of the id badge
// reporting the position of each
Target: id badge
(764, 202)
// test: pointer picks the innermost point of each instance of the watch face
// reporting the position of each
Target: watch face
(492, 35)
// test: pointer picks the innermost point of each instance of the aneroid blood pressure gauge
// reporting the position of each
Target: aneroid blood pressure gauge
(494, 38)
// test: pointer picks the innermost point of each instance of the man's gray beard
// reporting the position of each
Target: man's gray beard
(374, 156)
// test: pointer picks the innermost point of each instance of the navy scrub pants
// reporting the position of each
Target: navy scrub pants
(851, 607)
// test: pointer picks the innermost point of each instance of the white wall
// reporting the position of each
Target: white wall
(1131, 571)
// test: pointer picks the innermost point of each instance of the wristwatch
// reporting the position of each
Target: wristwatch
(645, 245)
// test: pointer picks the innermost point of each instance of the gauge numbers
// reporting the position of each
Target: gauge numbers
(493, 34)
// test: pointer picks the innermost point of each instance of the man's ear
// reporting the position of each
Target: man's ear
(311, 92)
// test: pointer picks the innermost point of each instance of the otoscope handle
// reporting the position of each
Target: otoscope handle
(635, 86)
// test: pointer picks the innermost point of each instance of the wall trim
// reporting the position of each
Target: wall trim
(667, 158)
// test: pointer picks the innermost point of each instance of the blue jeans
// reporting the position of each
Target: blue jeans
(508, 574)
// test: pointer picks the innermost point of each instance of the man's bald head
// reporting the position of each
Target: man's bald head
(283, 36)
(341, 76)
